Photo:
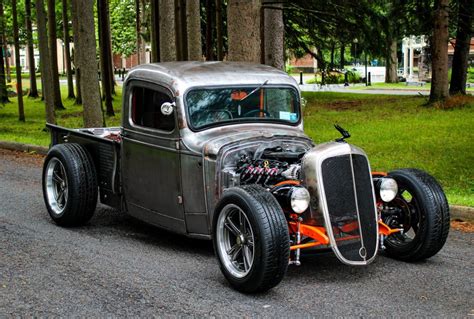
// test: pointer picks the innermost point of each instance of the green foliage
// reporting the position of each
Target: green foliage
(122, 26)
(361, 26)
(470, 75)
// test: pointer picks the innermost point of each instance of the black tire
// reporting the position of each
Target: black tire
(70, 165)
(424, 212)
(269, 229)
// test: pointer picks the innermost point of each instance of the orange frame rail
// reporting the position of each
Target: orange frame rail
(320, 237)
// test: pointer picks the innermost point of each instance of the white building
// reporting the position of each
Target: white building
(24, 61)
(412, 46)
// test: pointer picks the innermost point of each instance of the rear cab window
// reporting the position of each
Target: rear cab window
(146, 109)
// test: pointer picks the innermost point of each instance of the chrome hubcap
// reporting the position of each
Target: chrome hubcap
(56, 186)
(235, 241)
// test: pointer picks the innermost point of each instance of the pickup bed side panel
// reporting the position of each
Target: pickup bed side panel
(106, 157)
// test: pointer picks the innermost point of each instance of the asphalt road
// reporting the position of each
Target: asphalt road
(118, 266)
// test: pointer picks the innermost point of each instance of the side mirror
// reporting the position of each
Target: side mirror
(167, 108)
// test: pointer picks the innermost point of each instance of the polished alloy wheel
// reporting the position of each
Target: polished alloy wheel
(235, 241)
(56, 186)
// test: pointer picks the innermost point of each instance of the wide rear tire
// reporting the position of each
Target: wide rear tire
(251, 239)
(423, 215)
(69, 185)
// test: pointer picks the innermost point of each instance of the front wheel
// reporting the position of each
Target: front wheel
(251, 239)
(421, 210)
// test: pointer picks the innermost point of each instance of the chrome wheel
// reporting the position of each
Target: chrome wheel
(56, 186)
(235, 241)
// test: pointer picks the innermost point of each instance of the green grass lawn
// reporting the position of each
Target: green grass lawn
(395, 131)
(33, 130)
(398, 131)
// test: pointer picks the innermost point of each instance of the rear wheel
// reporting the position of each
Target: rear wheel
(251, 239)
(69, 185)
(422, 211)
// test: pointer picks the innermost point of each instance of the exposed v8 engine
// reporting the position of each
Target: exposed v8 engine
(270, 167)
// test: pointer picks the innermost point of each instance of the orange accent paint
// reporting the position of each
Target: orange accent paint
(314, 232)
(348, 238)
(261, 103)
(289, 182)
(385, 230)
(238, 95)
(302, 246)
(379, 174)
(349, 227)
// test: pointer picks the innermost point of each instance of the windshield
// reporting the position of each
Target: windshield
(207, 107)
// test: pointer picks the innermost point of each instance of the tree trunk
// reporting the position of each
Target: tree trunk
(138, 29)
(46, 73)
(181, 30)
(155, 31)
(333, 49)
(16, 40)
(168, 38)
(33, 92)
(342, 61)
(7, 60)
(391, 68)
(105, 55)
(86, 53)
(3, 83)
(193, 13)
(53, 53)
(143, 31)
(209, 26)
(77, 71)
(219, 31)
(184, 30)
(70, 84)
(439, 52)
(243, 28)
(274, 37)
(109, 39)
(461, 50)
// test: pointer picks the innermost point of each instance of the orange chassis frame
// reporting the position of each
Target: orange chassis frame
(318, 233)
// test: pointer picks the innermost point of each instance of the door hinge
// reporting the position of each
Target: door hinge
(180, 199)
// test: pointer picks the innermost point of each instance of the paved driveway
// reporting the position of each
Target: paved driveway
(118, 266)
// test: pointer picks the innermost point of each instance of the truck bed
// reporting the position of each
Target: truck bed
(103, 145)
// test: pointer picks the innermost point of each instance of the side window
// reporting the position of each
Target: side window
(146, 109)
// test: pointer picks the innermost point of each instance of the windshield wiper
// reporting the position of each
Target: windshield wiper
(255, 90)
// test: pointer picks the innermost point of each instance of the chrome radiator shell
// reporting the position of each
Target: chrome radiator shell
(338, 177)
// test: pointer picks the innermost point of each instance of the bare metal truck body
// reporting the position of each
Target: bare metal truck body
(217, 151)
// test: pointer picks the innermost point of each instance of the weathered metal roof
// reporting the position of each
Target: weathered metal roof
(180, 76)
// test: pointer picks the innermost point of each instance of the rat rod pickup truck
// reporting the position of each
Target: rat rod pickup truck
(216, 150)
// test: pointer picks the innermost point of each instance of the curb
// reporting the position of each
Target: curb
(14, 146)
(464, 213)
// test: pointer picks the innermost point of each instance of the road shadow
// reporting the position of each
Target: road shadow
(108, 222)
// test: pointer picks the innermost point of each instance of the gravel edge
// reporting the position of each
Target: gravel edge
(464, 213)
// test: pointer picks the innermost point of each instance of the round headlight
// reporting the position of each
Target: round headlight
(299, 199)
(388, 189)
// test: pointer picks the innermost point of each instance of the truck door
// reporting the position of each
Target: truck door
(150, 158)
